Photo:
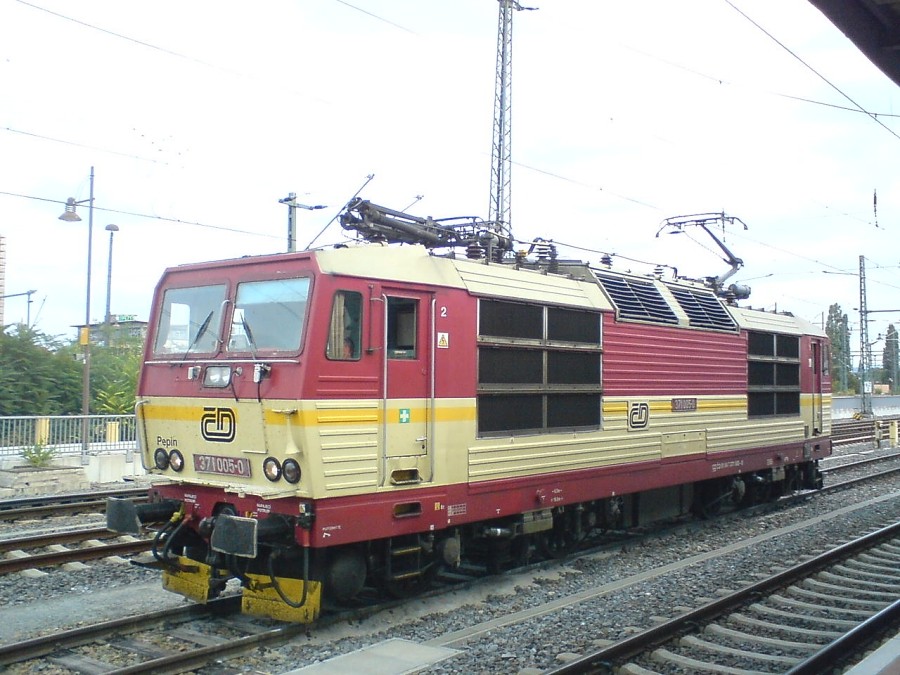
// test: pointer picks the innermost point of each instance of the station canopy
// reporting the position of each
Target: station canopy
(872, 25)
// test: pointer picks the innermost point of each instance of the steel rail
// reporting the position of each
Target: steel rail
(69, 498)
(51, 505)
(67, 537)
(9, 565)
(47, 644)
(600, 660)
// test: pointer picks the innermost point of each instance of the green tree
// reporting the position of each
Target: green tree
(114, 374)
(37, 375)
(890, 358)
(42, 375)
(837, 327)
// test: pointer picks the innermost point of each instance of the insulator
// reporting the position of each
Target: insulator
(606, 260)
(553, 268)
(543, 249)
(474, 251)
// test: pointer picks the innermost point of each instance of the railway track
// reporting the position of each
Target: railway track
(63, 643)
(803, 620)
(18, 560)
(53, 505)
(138, 644)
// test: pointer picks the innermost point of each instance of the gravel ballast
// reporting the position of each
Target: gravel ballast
(63, 599)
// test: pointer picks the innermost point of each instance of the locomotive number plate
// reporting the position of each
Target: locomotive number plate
(227, 466)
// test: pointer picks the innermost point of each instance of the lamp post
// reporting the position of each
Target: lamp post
(112, 229)
(70, 215)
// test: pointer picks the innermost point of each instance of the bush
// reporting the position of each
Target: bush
(38, 455)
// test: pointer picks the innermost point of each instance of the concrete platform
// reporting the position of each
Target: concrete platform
(393, 657)
(67, 473)
(883, 661)
(23, 481)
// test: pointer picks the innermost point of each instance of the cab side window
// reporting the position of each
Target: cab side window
(401, 328)
(345, 331)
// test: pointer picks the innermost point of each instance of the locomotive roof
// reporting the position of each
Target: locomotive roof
(578, 286)
(413, 264)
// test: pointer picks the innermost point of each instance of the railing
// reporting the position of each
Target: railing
(67, 434)
(64, 433)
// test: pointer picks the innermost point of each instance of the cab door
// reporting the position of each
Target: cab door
(408, 385)
(818, 355)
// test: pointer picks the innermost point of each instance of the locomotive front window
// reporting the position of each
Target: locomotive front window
(268, 315)
(190, 320)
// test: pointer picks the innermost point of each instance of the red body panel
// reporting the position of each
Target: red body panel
(647, 360)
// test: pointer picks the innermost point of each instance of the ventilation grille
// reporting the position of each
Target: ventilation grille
(703, 309)
(637, 300)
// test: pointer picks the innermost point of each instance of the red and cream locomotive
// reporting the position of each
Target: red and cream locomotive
(330, 420)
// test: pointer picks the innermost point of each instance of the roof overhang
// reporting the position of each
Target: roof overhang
(872, 25)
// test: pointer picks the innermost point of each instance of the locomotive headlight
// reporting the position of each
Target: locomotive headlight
(272, 469)
(161, 459)
(217, 376)
(176, 460)
(291, 471)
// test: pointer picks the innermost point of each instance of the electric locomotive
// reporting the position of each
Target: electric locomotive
(327, 421)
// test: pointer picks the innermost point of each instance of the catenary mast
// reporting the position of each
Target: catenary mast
(501, 164)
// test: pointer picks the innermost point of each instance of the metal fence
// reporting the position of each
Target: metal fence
(67, 434)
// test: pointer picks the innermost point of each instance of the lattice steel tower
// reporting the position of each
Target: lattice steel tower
(865, 349)
(501, 164)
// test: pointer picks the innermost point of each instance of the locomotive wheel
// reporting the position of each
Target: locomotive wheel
(346, 575)
(503, 555)
(792, 481)
(560, 540)
(708, 498)
(760, 493)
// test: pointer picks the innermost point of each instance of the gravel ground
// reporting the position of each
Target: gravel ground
(58, 599)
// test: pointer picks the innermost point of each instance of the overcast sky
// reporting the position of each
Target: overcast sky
(199, 116)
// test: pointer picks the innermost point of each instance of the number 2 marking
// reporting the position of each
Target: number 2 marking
(443, 312)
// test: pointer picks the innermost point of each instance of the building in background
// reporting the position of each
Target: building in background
(122, 329)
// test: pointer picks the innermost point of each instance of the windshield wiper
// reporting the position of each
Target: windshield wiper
(200, 332)
(249, 333)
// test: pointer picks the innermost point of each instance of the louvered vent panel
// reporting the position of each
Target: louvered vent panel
(637, 300)
(703, 309)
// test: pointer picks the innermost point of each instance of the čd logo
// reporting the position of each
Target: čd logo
(638, 416)
(218, 424)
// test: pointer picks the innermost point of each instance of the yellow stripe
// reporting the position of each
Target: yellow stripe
(664, 405)
(339, 415)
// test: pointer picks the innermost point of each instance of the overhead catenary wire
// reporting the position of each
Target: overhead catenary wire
(813, 70)
(177, 54)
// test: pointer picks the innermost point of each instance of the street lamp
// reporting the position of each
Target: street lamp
(112, 229)
(69, 215)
